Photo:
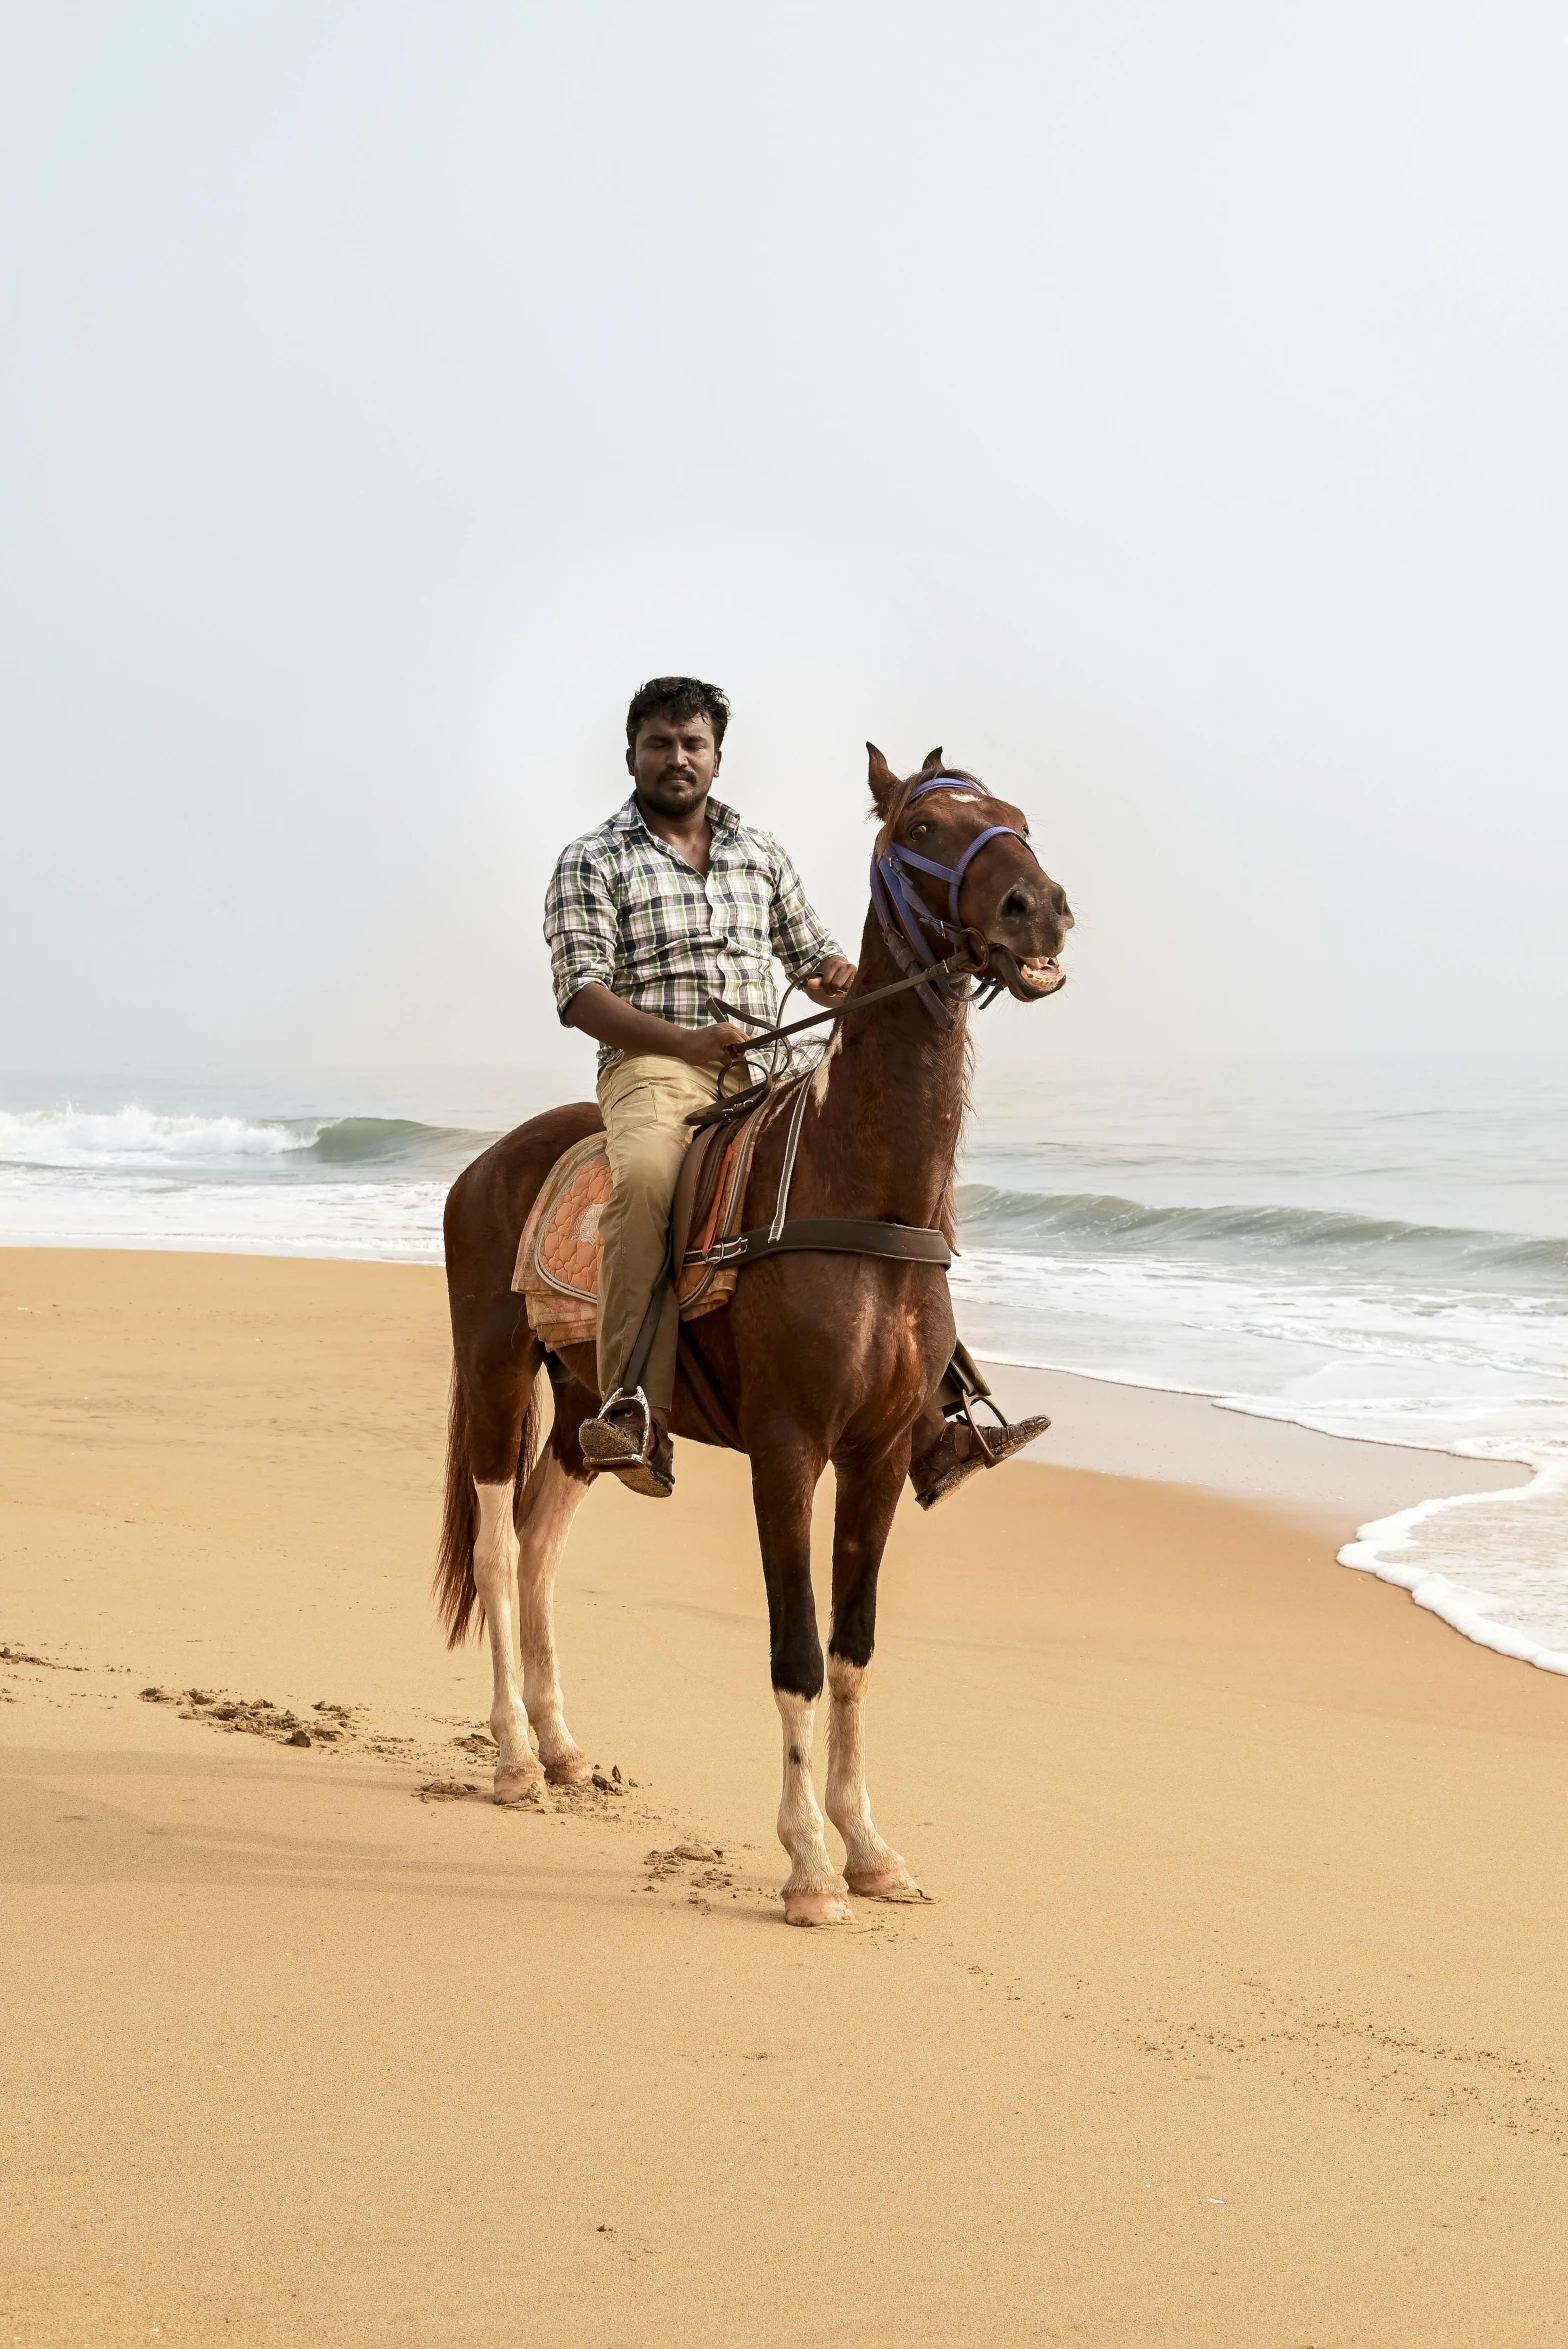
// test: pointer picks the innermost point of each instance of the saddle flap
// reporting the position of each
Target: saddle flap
(557, 1266)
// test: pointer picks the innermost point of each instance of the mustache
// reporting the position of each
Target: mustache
(676, 775)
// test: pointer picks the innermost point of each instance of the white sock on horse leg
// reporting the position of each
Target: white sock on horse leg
(869, 1862)
(495, 1580)
(848, 1804)
(800, 1819)
(551, 1501)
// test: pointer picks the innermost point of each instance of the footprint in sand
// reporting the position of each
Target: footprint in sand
(699, 1866)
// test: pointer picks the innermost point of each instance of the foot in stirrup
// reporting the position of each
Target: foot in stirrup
(627, 1440)
(959, 1452)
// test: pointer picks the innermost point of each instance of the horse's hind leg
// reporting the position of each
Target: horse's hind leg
(867, 1498)
(518, 1776)
(549, 1502)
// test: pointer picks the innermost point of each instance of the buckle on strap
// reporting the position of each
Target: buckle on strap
(721, 1252)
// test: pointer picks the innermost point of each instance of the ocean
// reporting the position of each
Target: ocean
(1376, 1249)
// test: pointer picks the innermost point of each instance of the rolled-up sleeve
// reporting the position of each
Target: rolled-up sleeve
(579, 924)
(799, 939)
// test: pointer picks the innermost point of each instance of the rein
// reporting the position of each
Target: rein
(956, 964)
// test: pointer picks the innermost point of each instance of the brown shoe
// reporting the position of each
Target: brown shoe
(626, 1440)
(957, 1454)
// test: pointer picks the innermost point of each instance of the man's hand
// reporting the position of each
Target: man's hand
(609, 1021)
(832, 979)
(711, 1047)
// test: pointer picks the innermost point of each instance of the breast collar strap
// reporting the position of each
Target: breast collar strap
(909, 927)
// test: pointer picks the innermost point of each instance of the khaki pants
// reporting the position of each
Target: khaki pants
(644, 1099)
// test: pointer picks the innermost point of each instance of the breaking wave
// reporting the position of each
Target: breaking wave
(1092, 1223)
(133, 1138)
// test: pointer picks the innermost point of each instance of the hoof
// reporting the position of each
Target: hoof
(519, 1786)
(821, 1904)
(895, 1883)
(569, 1769)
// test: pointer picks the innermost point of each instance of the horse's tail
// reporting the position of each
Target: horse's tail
(455, 1595)
(457, 1601)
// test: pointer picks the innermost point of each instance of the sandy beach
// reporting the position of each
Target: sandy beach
(1236, 2016)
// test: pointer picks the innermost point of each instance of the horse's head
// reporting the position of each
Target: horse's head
(962, 862)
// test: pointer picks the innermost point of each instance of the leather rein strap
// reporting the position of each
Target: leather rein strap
(958, 965)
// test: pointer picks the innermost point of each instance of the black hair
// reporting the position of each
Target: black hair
(677, 697)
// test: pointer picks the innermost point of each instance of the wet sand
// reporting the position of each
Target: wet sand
(1236, 2016)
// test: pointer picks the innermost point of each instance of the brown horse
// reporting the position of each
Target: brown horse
(819, 1358)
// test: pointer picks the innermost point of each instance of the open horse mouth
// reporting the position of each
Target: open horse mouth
(1027, 977)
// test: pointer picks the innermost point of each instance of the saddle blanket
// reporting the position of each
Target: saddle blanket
(557, 1267)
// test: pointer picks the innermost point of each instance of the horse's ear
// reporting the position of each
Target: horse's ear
(933, 765)
(882, 779)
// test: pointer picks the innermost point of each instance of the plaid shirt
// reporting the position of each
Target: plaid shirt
(624, 909)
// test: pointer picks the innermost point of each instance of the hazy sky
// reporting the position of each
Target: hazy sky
(1160, 406)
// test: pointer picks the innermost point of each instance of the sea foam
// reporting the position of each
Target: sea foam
(1494, 1565)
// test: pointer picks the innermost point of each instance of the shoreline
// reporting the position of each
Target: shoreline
(1177, 1437)
(1373, 1494)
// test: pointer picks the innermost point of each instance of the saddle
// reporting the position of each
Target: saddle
(557, 1267)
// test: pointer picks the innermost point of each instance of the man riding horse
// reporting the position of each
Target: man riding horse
(671, 902)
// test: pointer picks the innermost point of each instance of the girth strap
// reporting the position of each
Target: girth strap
(833, 1235)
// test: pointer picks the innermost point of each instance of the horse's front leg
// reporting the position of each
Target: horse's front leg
(867, 1497)
(782, 1483)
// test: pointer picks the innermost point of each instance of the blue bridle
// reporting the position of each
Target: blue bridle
(908, 925)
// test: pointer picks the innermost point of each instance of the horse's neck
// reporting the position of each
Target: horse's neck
(893, 1109)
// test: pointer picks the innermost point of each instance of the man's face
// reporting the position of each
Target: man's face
(673, 762)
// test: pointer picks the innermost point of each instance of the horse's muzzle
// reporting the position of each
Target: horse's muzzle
(1026, 977)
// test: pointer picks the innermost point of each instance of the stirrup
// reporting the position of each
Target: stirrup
(1006, 1438)
(977, 1431)
(642, 1465)
(601, 1418)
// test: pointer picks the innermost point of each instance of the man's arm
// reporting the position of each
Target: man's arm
(624, 1028)
(579, 922)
